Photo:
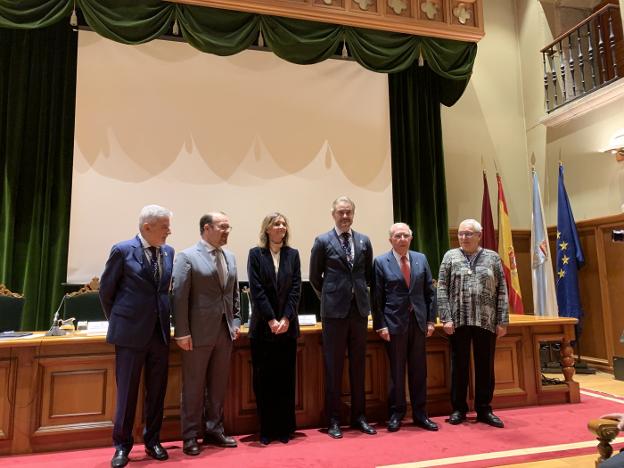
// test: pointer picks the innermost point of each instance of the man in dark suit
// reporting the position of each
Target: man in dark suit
(134, 291)
(341, 269)
(206, 313)
(404, 317)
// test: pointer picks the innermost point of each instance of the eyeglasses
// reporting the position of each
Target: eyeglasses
(467, 234)
(401, 236)
(222, 227)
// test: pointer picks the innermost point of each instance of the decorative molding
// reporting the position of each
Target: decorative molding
(610, 93)
(91, 286)
(431, 18)
(4, 291)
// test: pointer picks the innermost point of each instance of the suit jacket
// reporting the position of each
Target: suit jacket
(199, 299)
(392, 298)
(130, 299)
(332, 279)
(274, 296)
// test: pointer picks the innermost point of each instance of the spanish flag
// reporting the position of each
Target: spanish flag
(507, 253)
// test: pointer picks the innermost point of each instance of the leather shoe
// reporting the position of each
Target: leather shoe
(491, 419)
(394, 424)
(334, 431)
(220, 439)
(426, 423)
(284, 439)
(120, 458)
(457, 417)
(364, 427)
(191, 447)
(265, 440)
(157, 452)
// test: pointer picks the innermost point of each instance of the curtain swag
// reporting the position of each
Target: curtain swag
(224, 32)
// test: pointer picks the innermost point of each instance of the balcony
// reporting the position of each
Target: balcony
(587, 58)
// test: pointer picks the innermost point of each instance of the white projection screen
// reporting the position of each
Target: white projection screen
(247, 134)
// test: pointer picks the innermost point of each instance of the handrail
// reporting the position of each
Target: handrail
(579, 25)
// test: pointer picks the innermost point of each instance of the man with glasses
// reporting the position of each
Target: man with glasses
(404, 317)
(341, 269)
(473, 306)
(206, 313)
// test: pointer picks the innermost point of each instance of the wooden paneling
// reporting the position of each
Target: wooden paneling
(451, 19)
(75, 392)
(7, 397)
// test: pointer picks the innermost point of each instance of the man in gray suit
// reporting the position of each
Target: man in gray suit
(341, 269)
(206, 313)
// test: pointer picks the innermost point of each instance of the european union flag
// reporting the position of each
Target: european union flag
(569, 256)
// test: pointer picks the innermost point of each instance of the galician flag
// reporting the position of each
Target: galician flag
(507, 253)
(544, 296)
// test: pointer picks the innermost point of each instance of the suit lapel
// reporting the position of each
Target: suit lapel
(209, 261)
(267, 258)
(413, 265)
(335, 242)
(139, 255)
(395, 268)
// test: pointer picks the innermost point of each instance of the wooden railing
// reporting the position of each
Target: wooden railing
(584, 59)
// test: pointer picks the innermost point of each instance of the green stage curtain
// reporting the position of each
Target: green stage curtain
(418, 183)
(37, 100)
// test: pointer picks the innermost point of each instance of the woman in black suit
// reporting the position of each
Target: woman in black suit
(274, 273)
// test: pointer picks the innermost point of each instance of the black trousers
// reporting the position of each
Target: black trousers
(340, 335)
(154, 360)
(274, 364)
(408, 349)
(483, 346)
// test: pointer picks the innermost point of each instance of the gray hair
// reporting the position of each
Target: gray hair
(344, 199)
(475, 224)
(151, 213)
(397, 224)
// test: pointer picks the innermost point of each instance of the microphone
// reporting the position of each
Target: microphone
(55, 329)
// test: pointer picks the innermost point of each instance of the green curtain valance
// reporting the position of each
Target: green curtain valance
(225, 32)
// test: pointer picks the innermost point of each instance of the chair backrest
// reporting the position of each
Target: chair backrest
(84, 305)
(11, 309)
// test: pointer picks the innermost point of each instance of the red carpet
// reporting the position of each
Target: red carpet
(525, 428)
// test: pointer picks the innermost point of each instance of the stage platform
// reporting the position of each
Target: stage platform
(58, 393)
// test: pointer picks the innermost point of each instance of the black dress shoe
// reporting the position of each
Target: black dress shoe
(394, 424)
(426, 423)
(334, 431)
(191, 447)
(456, 417)
(491, 419)
(157, 452)
(120, 458)
(284, 439)
(364, 427)
(220, 439)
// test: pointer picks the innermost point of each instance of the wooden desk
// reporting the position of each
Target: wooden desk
(58, 393)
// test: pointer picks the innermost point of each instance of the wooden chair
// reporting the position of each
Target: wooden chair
(84, 304)
(11, 309)
(605, 431)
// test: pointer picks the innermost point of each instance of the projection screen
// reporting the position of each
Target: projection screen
(246, 134)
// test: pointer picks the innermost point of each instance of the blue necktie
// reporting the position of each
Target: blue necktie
(346, 246)
(154, 265)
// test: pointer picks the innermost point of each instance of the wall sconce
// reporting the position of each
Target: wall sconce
(616, 146)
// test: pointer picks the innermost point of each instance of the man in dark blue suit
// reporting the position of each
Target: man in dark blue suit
(404, 317)
(341, 270)
(134, 291)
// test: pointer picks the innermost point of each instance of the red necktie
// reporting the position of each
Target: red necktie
(405, 269)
